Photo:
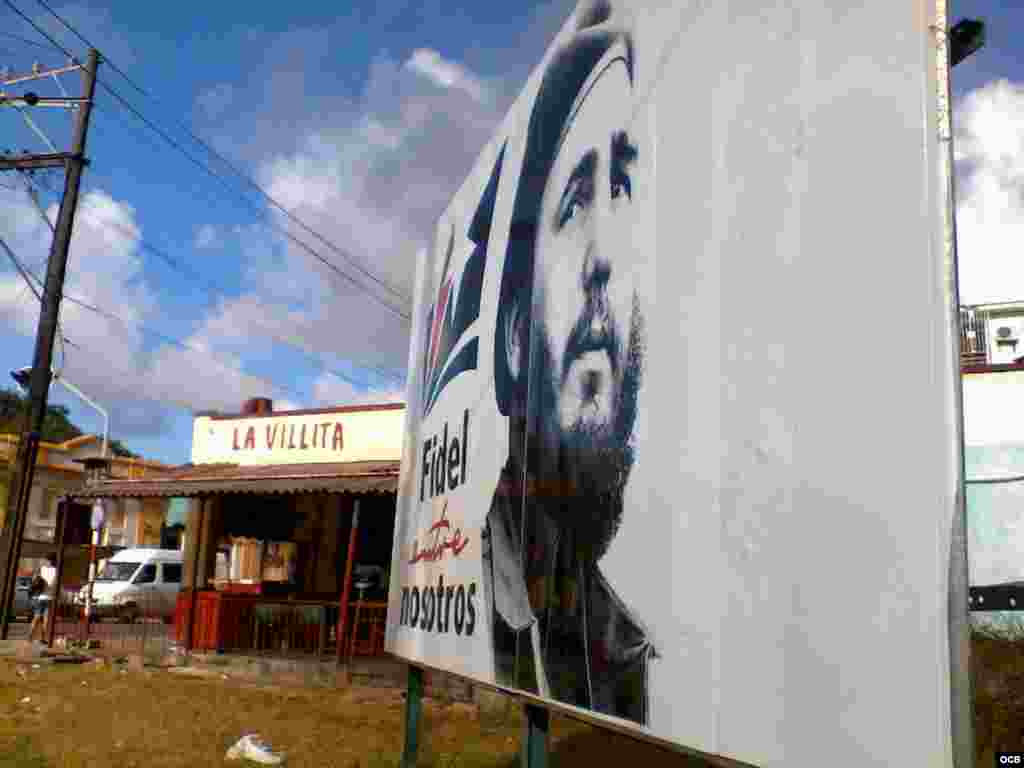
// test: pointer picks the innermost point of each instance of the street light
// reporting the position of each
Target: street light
(22, 376)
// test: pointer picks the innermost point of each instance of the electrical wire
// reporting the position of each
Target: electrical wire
(129, 107)
(24, 40)
(214, 290)
(237, 172)
(20, 269)
(261, 212)
(33, 281)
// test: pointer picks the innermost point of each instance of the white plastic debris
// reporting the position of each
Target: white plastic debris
(26, 700)
(252, 747)
(35, 666)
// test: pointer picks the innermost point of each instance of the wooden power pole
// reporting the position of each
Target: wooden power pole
(74, 162)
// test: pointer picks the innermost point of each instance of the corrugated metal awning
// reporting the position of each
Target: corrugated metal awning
(357, 477)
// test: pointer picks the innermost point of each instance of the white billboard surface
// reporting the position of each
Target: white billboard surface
(661, 344)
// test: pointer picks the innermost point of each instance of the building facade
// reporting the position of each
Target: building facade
(60, 473)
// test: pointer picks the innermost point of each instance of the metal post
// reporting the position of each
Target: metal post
(39, 383)
(535, 738)
(198, 534)
(346, 587)
(413, 708)
(959, 627)
(105, 447)
(61, 537)
(92, 578)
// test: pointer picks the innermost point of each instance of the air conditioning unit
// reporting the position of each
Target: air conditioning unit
(1006, 336)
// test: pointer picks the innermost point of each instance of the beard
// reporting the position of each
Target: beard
(582, 465)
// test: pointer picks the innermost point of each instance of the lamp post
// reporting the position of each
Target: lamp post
(21, 376)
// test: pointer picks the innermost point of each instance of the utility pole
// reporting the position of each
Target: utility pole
(39, 384)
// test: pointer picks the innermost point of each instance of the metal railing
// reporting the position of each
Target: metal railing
(148, 630)
(268, 627)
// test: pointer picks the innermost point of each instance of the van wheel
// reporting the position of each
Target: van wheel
(127, 616)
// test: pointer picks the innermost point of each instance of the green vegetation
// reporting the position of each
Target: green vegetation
(57, 427)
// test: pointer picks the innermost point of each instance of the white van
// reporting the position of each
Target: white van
(137, 583)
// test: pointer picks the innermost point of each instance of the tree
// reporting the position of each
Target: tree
(57, 426)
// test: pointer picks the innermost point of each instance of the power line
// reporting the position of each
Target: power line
(32, 280)
(19, 267)
(404, 315)
(24, 40)
(238, 172)
(176, 145)
(213, 290)
(234, 169)
(37, 28)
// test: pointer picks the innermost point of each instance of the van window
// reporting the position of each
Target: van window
(147, 575)
(117, 571)
(172, 573)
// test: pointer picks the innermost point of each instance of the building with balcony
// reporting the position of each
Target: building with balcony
(992, 337)
(59, 473)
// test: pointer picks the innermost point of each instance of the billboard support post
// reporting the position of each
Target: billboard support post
(413, 708)
(535, 737)
(950, 50)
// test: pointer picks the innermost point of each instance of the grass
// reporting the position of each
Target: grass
(92, 715)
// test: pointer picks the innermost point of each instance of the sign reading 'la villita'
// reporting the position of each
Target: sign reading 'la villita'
(323, 435)
(366, 433)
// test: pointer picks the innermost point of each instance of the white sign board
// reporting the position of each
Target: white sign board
(660, 347)
(352, 433)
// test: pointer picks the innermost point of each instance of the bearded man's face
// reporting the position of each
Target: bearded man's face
(587, 345)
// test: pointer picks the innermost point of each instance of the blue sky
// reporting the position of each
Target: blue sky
(362, 121)
(361, 117)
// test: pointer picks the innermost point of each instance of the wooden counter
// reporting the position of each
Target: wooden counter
(242, 621)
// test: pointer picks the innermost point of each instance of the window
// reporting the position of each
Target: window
(147, 575)
(117, 571)
(172, 573)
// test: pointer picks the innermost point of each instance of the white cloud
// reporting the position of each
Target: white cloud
(329, 390)
(446, 73)
(371, 173)
(989, 146)
(108, 359)
(206, 237)
(373, 184)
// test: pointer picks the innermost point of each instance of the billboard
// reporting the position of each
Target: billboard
(660, 341)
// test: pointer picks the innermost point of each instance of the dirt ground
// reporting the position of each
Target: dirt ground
(72, 716)
(109, 716)
(998, 665)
